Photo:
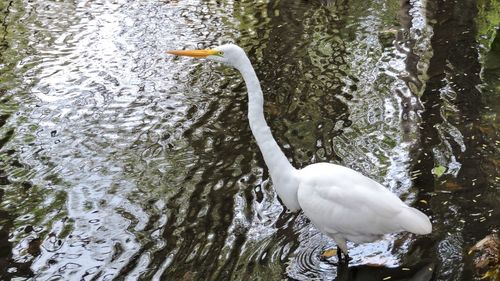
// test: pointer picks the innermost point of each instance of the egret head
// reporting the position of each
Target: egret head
(229, 54)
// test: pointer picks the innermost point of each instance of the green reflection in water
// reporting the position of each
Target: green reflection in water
(134, 165)
(32, 208)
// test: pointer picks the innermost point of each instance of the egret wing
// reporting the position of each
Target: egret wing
(341, 200)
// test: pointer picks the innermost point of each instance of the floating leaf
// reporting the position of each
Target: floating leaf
(329, 253)
(439, 171)
(450, 185)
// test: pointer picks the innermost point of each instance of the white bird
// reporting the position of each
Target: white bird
(340, 202)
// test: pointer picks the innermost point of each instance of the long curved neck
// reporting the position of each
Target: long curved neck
(282, 172)
(273, 156)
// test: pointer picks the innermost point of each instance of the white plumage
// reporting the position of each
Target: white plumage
(342, 203)
(348, 206)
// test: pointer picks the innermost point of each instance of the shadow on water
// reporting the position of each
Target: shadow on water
(418, 272)
(120, 163)
(456, 134)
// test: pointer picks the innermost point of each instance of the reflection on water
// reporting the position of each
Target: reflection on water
(121, 163)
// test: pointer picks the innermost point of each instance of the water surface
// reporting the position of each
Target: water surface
(119, 162)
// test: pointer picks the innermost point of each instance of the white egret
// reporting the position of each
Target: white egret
(340, 202)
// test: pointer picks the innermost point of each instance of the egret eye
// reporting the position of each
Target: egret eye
(221, 53)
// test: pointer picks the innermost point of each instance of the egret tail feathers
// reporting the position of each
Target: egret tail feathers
(414, 221)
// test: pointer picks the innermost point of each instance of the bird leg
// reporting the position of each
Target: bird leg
(339, 253)
(346, 258)
(341, 248)
(325, 255)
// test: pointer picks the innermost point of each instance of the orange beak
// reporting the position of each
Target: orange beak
(194, 53)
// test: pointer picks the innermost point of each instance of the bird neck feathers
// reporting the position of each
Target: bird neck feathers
(282, 172)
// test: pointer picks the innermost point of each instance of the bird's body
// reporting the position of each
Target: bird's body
(348, 206)
(342, 203)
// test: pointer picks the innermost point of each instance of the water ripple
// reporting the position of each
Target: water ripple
(124, 163)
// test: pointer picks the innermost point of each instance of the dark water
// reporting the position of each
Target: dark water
(119, 162)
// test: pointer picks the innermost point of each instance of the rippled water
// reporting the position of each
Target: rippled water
(120, 162)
